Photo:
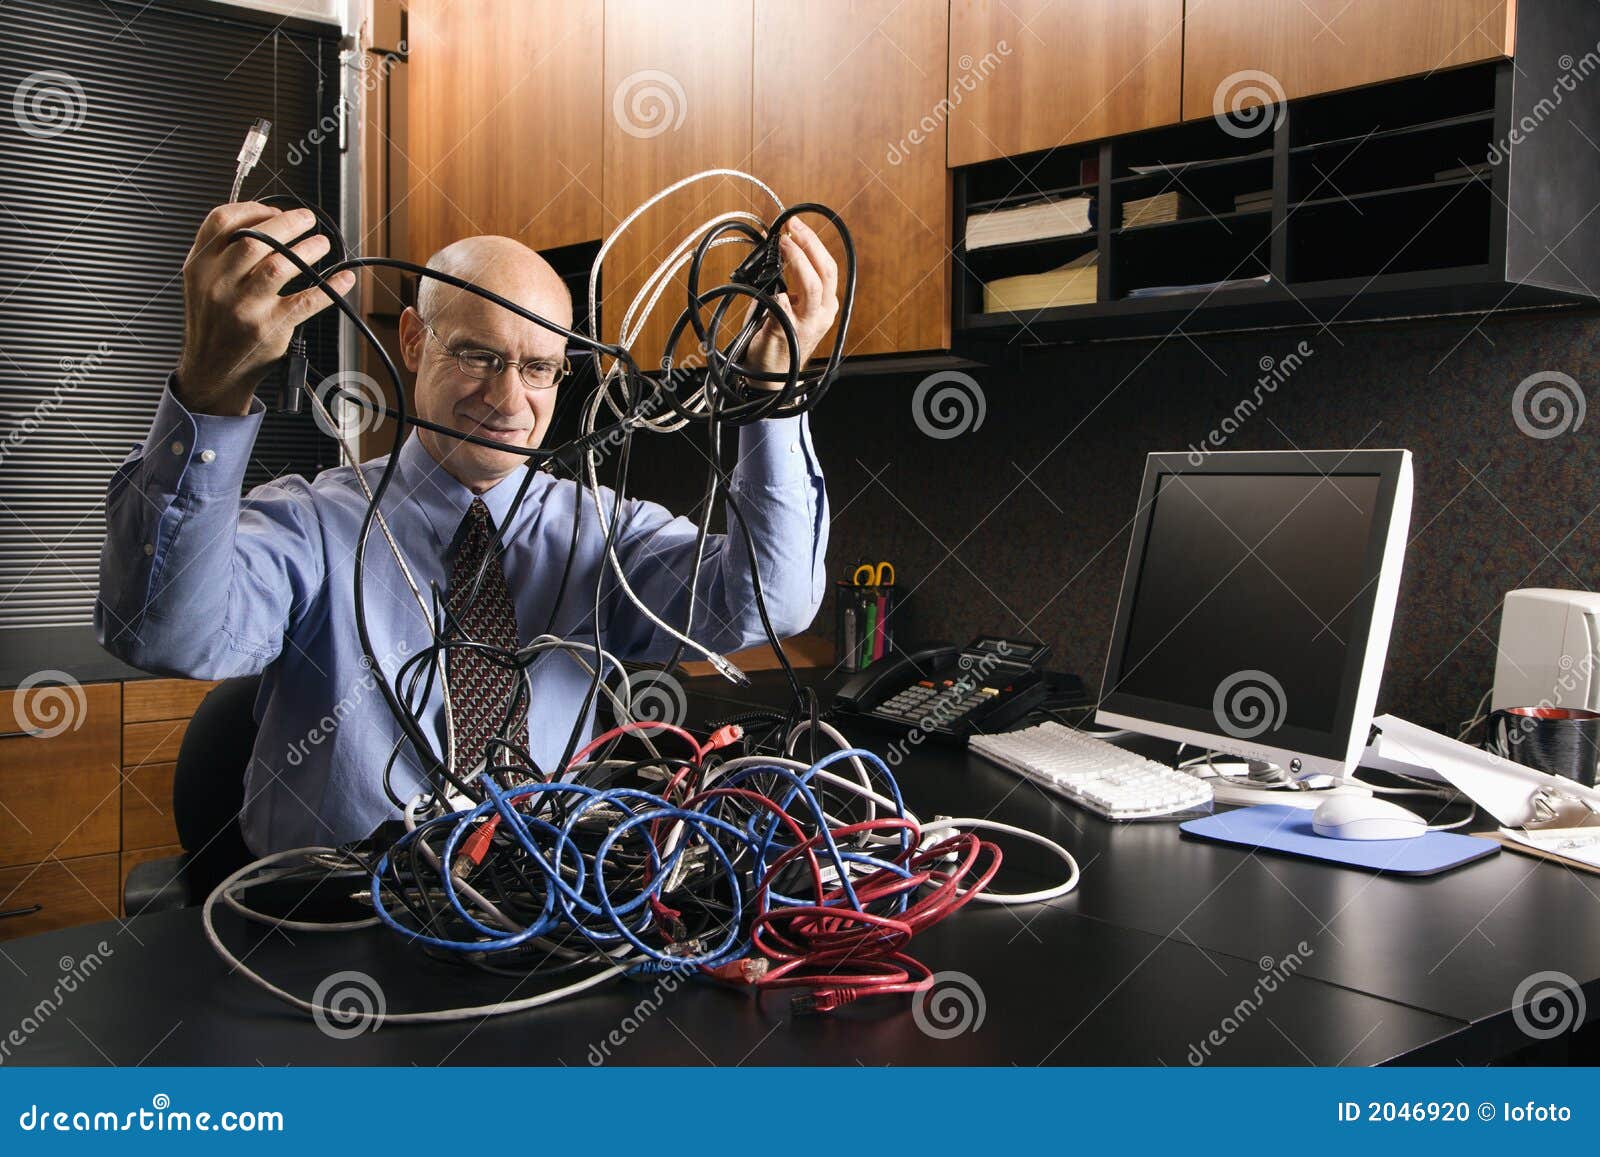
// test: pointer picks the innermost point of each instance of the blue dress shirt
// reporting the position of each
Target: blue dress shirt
(199, 582)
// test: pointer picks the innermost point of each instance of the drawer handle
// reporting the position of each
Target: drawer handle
(27, 911)
(30, 733)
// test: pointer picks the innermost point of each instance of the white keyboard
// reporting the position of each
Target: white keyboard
(1097, 776)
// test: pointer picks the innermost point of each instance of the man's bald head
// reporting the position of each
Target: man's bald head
(504, 407)
(501, 265)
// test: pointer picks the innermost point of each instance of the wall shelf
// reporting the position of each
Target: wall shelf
(1374, 211)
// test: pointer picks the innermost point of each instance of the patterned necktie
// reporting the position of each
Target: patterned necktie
(480, 688)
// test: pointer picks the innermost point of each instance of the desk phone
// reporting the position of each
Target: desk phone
(949, 691)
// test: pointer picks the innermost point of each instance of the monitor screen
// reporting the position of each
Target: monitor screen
(1252, 601)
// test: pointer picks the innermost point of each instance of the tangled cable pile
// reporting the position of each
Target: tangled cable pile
(755, 869)
(733, 858)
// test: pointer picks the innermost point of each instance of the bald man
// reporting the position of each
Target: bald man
(197, 581)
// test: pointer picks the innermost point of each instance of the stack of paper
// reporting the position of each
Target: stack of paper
(1158, 209)
(1245, 202)
(1075, 283)
(1039, 221)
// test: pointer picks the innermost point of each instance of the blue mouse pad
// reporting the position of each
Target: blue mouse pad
(1276, 828)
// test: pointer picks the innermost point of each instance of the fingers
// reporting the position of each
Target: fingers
(298, 307)
(827, 269)
(226, 219)
(275, 271)
(239, 259)
(805, 284)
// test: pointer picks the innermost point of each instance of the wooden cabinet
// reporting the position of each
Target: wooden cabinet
(1033, 74)
(59, 785)
(677, 100)
(841, 88)
(58, 894)
(504, 121)
(156, 715)
(85, 794)
(1313, 46)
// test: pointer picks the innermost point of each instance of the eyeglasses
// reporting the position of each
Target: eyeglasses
(482, 364)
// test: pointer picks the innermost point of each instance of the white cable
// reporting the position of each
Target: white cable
(339, 1015)
(1008, 898)
(633, 323)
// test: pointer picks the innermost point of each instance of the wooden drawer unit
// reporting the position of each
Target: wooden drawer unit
(150, 700)
(58, 894)
(155, 715)
(147, 807)
(59, 785)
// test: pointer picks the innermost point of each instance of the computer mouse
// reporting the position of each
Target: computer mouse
(1364, 817)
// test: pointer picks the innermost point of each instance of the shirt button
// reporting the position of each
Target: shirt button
(149, 549)
(177, 447)
(208, 456)
(794, 447)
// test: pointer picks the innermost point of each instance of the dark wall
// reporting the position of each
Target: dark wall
(1020, 525)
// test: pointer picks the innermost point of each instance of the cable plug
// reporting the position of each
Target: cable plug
(728, 670)
(725, 736)
(763, 269)
(822, 1000)
(255, 141)
(286, 378)
(474, 848)
(747, 970)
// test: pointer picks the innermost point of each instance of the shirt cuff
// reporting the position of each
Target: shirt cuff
(200, 453)
(776, 452)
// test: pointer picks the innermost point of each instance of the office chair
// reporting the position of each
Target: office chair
(207, 795)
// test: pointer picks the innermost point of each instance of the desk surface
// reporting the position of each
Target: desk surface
(1161, 951)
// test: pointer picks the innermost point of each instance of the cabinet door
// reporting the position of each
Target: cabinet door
(1033, 74)
(1312, 46)
(676, 100)
(839, 86)
(504, 112)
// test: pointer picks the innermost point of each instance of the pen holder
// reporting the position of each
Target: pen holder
(863, 623)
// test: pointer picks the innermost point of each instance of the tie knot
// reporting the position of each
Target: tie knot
(477, 527)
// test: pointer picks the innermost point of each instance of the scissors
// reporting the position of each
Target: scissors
(874, 575)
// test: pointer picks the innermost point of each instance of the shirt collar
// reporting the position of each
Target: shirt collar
(443, 498)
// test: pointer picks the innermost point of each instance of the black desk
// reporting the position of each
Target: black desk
(1164, 941)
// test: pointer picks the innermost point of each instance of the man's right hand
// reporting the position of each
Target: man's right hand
(234, 323)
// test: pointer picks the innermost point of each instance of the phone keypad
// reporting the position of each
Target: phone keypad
(941, 702)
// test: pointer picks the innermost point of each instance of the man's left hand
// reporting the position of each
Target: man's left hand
(812, 302)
